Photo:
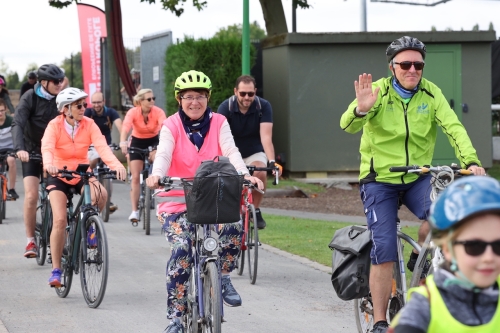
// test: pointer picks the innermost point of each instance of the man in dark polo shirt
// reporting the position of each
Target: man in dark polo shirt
(251, 120)
(104, 118)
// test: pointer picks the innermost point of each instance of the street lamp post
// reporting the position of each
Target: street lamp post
(245, 49)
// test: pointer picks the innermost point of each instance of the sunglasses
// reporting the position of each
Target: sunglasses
(406, 65)
(244, 93)
(149, 99)
(57, 82)
(79, 106)
(476, 247)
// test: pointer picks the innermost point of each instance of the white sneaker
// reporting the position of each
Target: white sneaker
(134, 216)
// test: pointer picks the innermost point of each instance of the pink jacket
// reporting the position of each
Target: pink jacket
(59, 149)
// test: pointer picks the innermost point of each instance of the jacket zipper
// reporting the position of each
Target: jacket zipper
(405, 107)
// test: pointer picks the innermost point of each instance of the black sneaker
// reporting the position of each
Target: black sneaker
(229, 294)
(112, 207)
(413, 261)
(261, 224)
(380, 327)
(12, 194)
(175, 326)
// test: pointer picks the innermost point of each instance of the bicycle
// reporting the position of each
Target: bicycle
(250, 240)
(43, 224)
(3, 183)
(204, 301)
(145, 198)
(442, 177)
(100, 172)
(86, 245)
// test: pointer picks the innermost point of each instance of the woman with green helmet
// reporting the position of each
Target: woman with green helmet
(190, 136)
(463, 294)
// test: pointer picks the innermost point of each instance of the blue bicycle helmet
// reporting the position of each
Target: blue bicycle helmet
(465, 197)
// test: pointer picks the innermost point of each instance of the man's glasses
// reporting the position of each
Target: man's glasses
(476, 247)
(406, 65)
(149, 99)
(244, 93)
(79, 106)
(57, 82)
(200, 98)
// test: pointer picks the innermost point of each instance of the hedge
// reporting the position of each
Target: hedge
(219, 58)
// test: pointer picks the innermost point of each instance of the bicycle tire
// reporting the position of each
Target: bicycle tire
(67, 270)
(240, 260)
(147, 209)
(212, 299)
(4, 207)
(192, 314)
(40, 234)
(94, 271)
(253, 245)
(106, 183)
(2, 202)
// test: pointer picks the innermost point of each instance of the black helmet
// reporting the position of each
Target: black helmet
(31, 75)
(50, 72)
(402, 44)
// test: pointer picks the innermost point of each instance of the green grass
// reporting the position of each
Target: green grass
(309, 238)
(494, 171)
(288, 184)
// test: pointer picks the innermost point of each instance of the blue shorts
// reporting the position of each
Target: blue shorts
(380, 202)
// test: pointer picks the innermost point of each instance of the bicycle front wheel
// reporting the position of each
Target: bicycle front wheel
(106, 183)
(2, 201)
(212, 299)
(240, 261)
(147, 210)
(253, 245)
(42, 229)
(94, 263)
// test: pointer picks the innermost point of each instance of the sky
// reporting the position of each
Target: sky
(34, 32)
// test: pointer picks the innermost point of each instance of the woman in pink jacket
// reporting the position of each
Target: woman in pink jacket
(65, 142)
(187, 138)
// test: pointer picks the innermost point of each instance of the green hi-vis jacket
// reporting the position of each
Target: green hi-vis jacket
(399, 134)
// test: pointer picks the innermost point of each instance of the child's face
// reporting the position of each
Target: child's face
(482, 270)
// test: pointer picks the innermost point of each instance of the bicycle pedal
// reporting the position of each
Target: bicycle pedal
(135, 223)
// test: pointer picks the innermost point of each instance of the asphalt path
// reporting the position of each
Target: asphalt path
(292, 294)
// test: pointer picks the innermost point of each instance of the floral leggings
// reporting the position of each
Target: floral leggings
(180, 234)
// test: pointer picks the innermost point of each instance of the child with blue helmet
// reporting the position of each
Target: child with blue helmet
(462, 295)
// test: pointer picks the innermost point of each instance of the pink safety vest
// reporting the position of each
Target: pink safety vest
(186, 158)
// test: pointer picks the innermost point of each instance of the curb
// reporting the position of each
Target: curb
(297, 258)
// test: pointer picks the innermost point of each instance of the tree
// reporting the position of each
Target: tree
(13, 81)
(491, 28)
(476, 27)
(256, 32)
(73, 69)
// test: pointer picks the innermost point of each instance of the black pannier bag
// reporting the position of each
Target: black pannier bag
(213, 195)
(351, 262)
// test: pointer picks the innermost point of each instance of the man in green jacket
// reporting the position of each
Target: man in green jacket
(398, 116)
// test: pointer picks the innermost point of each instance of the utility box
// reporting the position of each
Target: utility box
(309, 81)
(153, 50)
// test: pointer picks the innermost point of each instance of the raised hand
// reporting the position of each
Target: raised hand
(365, 95)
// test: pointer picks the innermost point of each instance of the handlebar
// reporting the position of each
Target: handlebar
(83, 173)
(426, 169)
(252, 186)
(276, 169)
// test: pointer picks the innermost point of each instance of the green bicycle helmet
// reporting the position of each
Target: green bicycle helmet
(192, 80)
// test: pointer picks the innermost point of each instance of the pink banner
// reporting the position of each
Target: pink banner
(92, 28)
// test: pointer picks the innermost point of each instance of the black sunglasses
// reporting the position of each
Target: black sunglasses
(476, 247)
(56, 82)
(150, 98)
(244, 93)
(79, 106)
(406, 65)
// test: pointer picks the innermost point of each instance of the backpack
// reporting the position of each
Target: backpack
(351, 262)
(213, 196)
(231, 102)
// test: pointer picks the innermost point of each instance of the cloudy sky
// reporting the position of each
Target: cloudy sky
(34, 32)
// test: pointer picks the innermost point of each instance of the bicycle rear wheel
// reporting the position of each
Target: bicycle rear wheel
(192, 315)
(212, 299)
(66, 265)
(42, 230)
(253, 245)
(147, 209)
(2, 202)
(106, 183)
(94, 263)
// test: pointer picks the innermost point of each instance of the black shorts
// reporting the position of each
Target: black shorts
(143, 144)
(56, 184)
(32, 168)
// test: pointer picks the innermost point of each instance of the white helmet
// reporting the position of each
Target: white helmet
(68, 96)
